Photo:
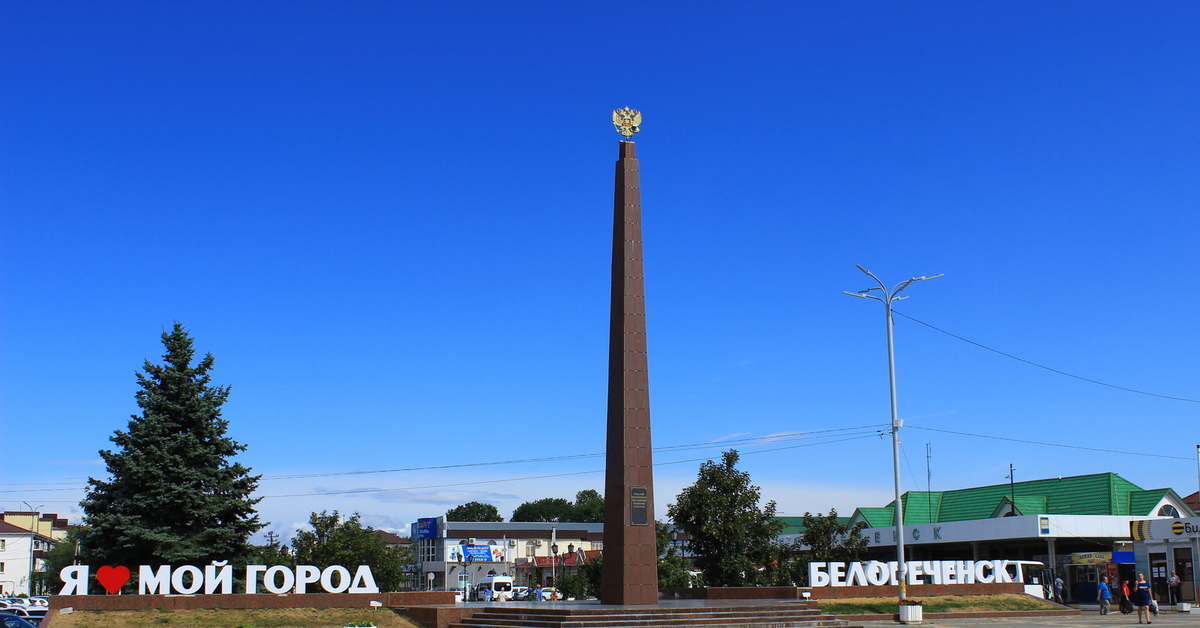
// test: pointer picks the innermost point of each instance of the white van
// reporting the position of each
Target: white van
(501, 588)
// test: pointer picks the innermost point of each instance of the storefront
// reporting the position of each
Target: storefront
(1163, 546)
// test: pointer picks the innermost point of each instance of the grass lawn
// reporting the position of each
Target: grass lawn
(939, 604)
(249, 618)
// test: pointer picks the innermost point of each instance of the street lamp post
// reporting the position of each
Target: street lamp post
(886, 297)
(32, 542)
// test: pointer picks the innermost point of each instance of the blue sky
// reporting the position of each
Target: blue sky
(390, 223)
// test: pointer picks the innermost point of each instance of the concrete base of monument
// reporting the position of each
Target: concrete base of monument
(743, 613)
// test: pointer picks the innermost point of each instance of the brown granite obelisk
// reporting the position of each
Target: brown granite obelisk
(630, 573)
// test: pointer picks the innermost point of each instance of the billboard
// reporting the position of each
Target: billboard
(427, 528)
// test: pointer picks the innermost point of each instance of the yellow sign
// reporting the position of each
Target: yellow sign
(1090, 558)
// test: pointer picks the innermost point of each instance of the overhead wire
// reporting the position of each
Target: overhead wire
(1042, 366)
(861, 431)
(1034, 442)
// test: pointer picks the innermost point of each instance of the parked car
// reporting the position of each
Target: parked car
(521, 593)
(8, 620)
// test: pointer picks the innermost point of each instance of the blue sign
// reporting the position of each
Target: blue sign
(478, 553)
(427, 528)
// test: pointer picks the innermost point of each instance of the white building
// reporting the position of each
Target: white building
(20, 550)
(451, 554)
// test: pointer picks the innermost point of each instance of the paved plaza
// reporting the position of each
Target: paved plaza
(1087, 619)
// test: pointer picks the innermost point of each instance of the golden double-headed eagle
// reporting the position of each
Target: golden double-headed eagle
(628, 121)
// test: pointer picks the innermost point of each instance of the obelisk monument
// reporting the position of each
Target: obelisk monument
(630, 573)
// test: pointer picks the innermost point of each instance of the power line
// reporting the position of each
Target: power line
(749, 441)
(540, 477)
(1034, 442)
(1041, 366)
(755, 440)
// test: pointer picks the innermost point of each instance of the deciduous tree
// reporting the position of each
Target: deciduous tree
(546, 509)
(588, 507)
(474, 511)
(729, 536)
(172, 495)
(335, 540)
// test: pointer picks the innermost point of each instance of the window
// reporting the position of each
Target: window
(2, 542)
(1168, 511)
(427, 550)
(530, 548)
(1, 567)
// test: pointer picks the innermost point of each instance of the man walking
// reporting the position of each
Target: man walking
(1103, 594)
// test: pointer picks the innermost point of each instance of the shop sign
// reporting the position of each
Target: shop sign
(876, 573)
(427, 528)
(218, 578)
(1158, 529)
(1090, 558)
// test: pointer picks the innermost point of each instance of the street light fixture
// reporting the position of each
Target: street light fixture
(33, 525)
(885, 296)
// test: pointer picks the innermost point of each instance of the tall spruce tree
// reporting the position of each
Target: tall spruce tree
(172, 496)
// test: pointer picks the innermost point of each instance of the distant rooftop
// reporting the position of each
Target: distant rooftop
(1096, 494)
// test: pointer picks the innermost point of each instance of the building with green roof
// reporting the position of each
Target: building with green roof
(1067, 523)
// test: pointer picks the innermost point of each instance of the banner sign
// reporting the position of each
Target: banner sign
(1090, 558)
(1159, 529)
(875, 573)
(478, 553)
(218, 578)
(427, 528)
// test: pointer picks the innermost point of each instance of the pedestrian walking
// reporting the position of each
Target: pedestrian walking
(1141, 598)
(1058, 590)
(1123, 598)
(1104, 595)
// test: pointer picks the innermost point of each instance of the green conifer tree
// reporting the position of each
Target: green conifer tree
(172, 496)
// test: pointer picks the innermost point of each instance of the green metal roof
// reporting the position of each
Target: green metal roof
(877, 517)
(1096, 494)
(792, 525)
(795, 525)
(1144, 502)
(1031, 504)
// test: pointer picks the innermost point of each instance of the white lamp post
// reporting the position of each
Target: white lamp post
(886, 297)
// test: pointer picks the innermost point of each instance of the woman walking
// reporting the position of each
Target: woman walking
(1141, 598)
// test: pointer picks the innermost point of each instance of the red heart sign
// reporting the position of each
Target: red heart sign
(112, 578)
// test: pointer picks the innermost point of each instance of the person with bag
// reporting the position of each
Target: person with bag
(1123, 595)
(1141, 598)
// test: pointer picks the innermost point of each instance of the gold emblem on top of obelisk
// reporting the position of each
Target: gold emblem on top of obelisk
(628, 121)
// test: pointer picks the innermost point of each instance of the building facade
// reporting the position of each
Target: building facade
(21, 553)
(1077, 526)
(456, 554)
(1162, 547)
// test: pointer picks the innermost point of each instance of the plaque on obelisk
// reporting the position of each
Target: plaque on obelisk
(630, 573)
